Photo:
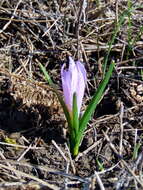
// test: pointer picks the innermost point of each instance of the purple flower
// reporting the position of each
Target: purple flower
(73, 81)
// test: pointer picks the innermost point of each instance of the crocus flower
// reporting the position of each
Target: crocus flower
(73, 81)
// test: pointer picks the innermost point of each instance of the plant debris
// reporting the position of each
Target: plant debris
(34, 153)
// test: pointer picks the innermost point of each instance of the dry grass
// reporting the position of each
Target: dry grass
(33, 135)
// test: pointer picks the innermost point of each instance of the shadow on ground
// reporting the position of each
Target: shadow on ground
(34, 121)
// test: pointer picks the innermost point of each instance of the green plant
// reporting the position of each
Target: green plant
(73, 82)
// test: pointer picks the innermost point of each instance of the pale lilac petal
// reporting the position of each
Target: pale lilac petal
(74, 75)
(73, 81)
(81, 83)
(66, 78)
(81, 68)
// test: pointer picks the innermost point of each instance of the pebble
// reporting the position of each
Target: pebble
(140, 88)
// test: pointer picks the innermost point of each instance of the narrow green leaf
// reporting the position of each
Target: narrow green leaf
(142, 74)
(69, 120)
(47, 77)
(136, 151)
(64, 106)
(75, 120)
(75, 114)
(100, 165)
(65, 109)
(121, 21)
(92, 105)
(115, 32)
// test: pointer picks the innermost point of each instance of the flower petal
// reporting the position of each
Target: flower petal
(74, 75)
(73, 81)
(66, 78)
(81, 83)
(81, 67)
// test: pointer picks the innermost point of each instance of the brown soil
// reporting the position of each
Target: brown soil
(34, 151)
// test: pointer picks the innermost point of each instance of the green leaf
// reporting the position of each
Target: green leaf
(54, 89)
(47, 76)
(91, 107)
(64, 106)
(75, 114)
(136, 151)
(142, 74)
(75, 123)
(115, 32)
(100, 165)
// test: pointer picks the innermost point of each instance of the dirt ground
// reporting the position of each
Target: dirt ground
(34, 153)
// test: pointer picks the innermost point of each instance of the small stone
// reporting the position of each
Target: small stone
(140, 88)
(133, 92)
(133, 84)
(15, 135)
(139, 98)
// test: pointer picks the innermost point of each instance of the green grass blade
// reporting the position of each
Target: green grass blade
(117, 29)
(92, 106)
(122, 17)
(129, 28)
(65, 109)
(112, 41)
(47, 76)
(100, 165)
(75, 115)
(138, 36)
(142, 74)
(136, 151)
(75, 124)
(49, 80)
